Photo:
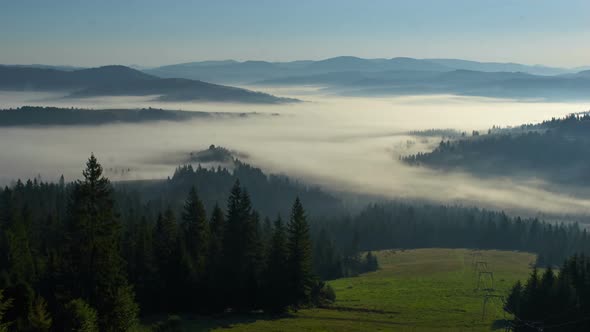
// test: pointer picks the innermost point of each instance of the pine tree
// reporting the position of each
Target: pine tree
(144, 273)
(233, 244)
(253, 255)
(371, 262)
(95, 267)
(197, 235)
(21, 263)
(241, 251)
(299, 260)
(168, 258)
(276, 276)
(217, 229)
(215, 260)
(512, 305)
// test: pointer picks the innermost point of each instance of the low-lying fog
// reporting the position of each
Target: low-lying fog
(344, 144)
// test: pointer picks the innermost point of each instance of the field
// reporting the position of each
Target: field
(414, 290)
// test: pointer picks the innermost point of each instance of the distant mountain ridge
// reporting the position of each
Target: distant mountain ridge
(231, 71)
(119, 80)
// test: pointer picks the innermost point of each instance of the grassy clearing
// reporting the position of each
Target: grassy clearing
(414, 290)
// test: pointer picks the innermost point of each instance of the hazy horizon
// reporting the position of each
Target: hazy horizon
(583, 66)
(152, 33)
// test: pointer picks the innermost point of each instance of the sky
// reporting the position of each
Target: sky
(151, 33)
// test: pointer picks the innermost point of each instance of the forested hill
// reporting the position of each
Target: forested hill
(125, 81)
(52, 116)
(557, 150)
(271, 194)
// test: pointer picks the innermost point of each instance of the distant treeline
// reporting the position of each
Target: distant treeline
(271, 194)
(450, 133)
(557, 150)
(401, 225)
(46, 116)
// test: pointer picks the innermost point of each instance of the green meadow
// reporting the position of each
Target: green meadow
(413, 290)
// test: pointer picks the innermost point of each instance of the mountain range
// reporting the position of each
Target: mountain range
(230, 71)
(124, 81)
(345, 75)
(348, 75)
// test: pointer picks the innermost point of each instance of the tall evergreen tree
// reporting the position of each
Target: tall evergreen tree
(197, 235)
(166, 247)
(95, 268)
(241, 251)
(276, 275)
(215, 262)
(144, 273)
(299, 262)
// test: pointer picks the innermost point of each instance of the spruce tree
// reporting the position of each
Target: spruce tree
(197, 235)
(241, 251)
(233, 246)
(95, 270)
(144, 274)
(276, 275)
(215, 260)
(168, 257)
(299, 262)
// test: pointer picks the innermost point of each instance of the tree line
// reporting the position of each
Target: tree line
(557, 150)
(553, 301)
(413, 225)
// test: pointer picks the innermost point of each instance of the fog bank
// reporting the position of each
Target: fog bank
(348, 144)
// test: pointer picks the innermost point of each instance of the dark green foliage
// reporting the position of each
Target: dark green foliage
(322, 294)
(39, 318)
(168, 254)
(215, 263)
(371, 263)
(277, 274)
(327, 263)
(553, 301)
(141, 261)
(242, 251)
(299, 259)
(89, 242)
(94, 267)
(80, 317)
(196, 237)
(557, 150)
(22, 297)
(5, 304)
(404, 225)
(270, 194)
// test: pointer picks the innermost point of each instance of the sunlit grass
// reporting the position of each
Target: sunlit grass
(414, 290)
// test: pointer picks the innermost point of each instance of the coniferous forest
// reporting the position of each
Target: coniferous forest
(553, 300)
(72, 261)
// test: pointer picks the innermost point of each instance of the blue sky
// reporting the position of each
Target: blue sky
(150, 32)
